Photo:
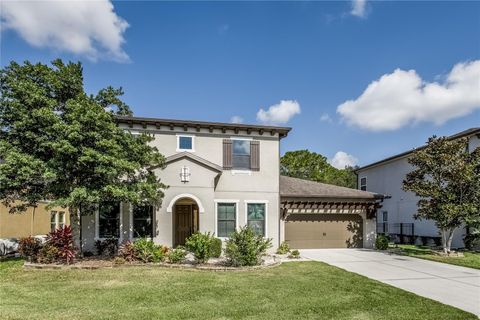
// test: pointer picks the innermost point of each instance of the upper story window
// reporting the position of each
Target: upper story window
(185, 143)
(241, 154)
(363, 183)
(385, 216)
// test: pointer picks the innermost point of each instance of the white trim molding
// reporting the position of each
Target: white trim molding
(241, 138)
(185, 195)
(237, 209)
(265, 202)
(179, 135)
(130, 227)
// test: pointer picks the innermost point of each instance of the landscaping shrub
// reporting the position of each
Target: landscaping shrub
(177, 255)
(119, 260)
(381, 243)
(245, 248)
(87, 254)
(107, 247)
(200, 244)
(472, 240)
(284, 248)
(62, 239)
(48, 254)
(29, 247)
(216, 248)
(127, 251)
(295, 254)
(148, 251)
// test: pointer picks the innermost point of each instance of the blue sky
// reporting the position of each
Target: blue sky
(216, 60)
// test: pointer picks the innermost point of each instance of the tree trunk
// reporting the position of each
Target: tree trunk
(447, 237)
(75, 223)
(449, 240)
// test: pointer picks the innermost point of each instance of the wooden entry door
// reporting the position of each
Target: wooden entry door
(184, 223)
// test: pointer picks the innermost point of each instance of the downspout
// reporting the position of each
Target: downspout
(80, 226)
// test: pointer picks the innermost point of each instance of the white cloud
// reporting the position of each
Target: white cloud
(325, 118)
(403, 98)
(359, 8)
(89, 28)
(236, 119)
(279, 113)
(342, 159)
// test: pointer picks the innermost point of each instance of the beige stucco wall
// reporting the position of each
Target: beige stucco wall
(260, 185)
(27, 223)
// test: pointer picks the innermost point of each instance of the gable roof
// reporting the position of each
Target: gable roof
(157, 122)
(194, 158)
(299, 188)
(465, 133)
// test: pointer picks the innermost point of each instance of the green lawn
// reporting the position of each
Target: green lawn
(470, 259)
(297, 290)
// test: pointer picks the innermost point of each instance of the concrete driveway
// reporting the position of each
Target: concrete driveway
(448, 284)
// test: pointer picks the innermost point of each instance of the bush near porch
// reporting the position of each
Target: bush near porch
(295, 290)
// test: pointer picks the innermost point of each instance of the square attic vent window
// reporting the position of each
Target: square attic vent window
(185, 143)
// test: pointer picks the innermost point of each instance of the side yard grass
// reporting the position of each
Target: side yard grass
(470, 259)
(295, 290)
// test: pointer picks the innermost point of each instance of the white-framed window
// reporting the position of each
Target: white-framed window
(57, 220)
(226, 217)
(256, 212)
(108, 221)
(141, 221)
(385, 216)
(363, 183)
(185, 142)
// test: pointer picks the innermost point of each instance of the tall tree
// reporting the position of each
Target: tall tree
(57, 143)
(446, 177)
(308, 165)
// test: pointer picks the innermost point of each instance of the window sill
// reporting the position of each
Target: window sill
(185, 150)
(103, 239)
(241, 172)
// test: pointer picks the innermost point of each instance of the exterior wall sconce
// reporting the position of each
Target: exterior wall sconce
(185, 174)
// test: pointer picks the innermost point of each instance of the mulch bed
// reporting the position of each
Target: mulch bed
(92, 263)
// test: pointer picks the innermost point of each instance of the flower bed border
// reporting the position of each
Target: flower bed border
(203, 267)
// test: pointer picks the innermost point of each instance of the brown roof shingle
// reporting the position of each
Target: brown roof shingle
(299, 188)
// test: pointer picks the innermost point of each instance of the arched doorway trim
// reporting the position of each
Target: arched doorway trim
(185, 195)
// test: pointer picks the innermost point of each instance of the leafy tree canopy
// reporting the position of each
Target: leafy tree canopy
(446, 177)
(60, 144)
(308, 165)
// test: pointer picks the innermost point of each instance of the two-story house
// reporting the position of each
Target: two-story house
(222, 176)
(396, 216)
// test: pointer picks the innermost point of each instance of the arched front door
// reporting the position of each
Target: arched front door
(185, 220)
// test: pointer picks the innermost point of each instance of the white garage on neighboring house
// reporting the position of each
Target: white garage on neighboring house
(317, 215)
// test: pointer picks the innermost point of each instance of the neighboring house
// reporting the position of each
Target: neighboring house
(223, 176)
(32, 222)
(396, 215)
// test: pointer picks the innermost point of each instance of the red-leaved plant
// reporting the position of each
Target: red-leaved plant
(62, 239)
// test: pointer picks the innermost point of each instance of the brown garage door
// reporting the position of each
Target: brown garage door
(311, 231)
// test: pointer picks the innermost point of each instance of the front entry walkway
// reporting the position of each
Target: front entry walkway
(453, 285)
